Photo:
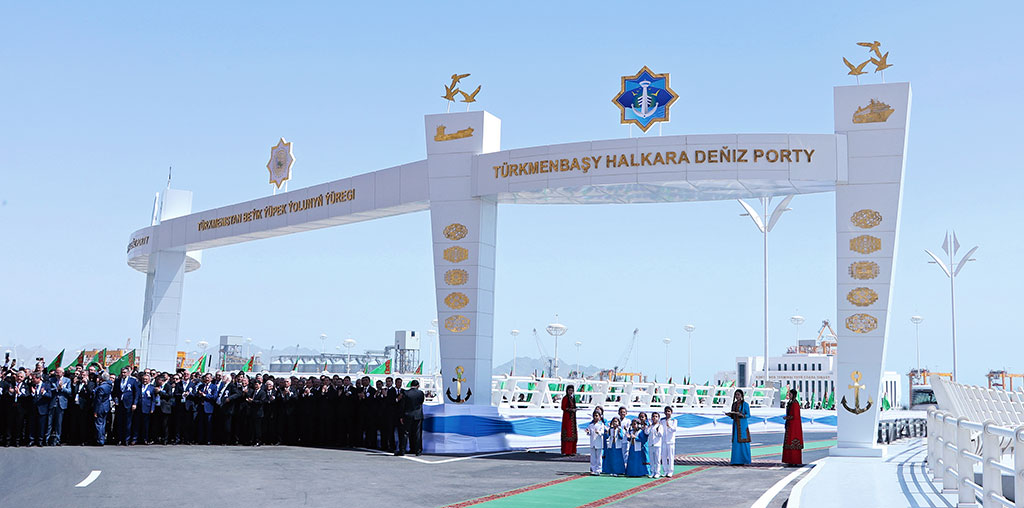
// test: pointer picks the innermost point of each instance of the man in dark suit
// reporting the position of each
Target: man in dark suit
(148, 398)
(60, 388)
(41, 399)
(80, 408)
(165, 409)
(14, 397)
(348, 417)
(388, 407)
(412, 420)
(205, 396)
(287, 403)
(367, 402)
(184, 408)
(101, 407)
(227, 398)
(126, 396)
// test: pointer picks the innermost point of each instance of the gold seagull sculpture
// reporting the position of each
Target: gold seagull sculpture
(470, 97)
(880, 63)
(872, 46)
(449, 92)
(856, 70)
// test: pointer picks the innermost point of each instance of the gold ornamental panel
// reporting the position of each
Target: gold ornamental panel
(455, 254)
(455, 231)
(862, 297)
(866, 219)
(456, 277)
(865, 244)
(861, 323)
(863, 270)
(456, 300)
(457, 323)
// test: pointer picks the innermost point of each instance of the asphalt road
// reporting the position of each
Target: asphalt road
(185, 476)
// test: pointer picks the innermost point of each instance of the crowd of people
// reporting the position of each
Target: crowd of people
(89, 406)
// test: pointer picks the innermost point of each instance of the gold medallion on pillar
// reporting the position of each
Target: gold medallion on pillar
(455, 231)
(456, 300)
(865, 244)
(456, 277)
(455, 254)
(863, 270)
(862, 297)
(866, 219)
(861, 323)
(457, 323)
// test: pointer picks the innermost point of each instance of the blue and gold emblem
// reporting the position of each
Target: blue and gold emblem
(645, 99)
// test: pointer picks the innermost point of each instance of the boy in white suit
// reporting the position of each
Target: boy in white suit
(654, 439)
(668, 443)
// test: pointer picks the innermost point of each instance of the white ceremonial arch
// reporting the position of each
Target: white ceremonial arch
(466, 175)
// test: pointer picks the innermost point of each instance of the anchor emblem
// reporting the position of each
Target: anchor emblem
(458, 387)
(646, 100)
(857, 387)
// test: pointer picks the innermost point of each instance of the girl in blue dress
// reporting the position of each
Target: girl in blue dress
(614, 441)
(636, 464)
(740, 432)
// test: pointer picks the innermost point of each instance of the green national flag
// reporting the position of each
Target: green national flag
(295, 366)
(419, 370)
(57, 360)
(198, 366)
(248, 365)
(832, 400)
(384, 368)
(99, 359)
(127, 360)
(885, 403)
(77, 362)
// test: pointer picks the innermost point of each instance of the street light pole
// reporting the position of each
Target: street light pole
(667, 341)
(515, 335)
(578, 344)
(952, 271)
(765, 226)
(689, 352)
(917, 333)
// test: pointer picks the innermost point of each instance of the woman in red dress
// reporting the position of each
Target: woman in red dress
(793, 442)
(569, 422)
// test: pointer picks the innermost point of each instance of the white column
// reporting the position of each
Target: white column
(161, 313)
(874, 119)
(463, 229)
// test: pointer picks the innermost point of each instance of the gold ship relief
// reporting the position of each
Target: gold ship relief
(875, 112)
(459, 134)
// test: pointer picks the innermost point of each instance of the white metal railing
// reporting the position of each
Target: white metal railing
(954, 444)
(528, 392)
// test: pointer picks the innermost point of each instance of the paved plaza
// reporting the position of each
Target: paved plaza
(287, 476)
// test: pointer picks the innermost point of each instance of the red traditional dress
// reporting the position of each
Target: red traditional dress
(793, 442)
(569, 425)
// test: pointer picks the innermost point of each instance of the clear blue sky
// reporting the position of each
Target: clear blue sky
(100, 99)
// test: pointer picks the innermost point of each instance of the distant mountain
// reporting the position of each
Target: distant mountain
(526, 366)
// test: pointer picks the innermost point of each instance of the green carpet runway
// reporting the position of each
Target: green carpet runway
(585, 491)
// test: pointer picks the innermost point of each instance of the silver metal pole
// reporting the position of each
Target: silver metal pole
(556, 357)
(764, 201)
(917, 334)
(689, 357)
(952, 305)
